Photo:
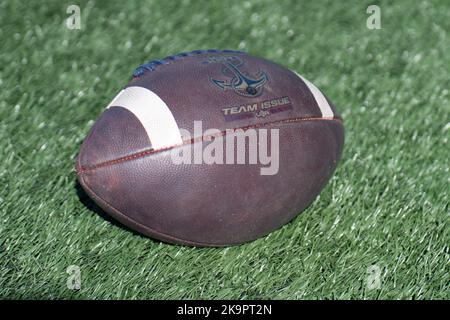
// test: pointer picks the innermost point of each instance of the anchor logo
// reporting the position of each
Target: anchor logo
(242, 83)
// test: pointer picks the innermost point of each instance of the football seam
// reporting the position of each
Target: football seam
(80, 169)
(153, 64)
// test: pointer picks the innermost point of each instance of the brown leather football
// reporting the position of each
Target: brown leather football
(211, 148)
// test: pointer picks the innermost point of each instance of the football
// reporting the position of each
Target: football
(211, 148)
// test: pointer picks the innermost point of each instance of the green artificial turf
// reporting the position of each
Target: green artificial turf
(387, 207)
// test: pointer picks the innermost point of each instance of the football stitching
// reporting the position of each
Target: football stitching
(153, 64)
(148, 152)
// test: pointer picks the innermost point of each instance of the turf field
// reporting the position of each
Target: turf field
(380, 229)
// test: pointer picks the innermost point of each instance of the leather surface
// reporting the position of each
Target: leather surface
(116, 133)
(209, 205)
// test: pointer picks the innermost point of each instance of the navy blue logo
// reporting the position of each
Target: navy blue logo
(242, 83)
